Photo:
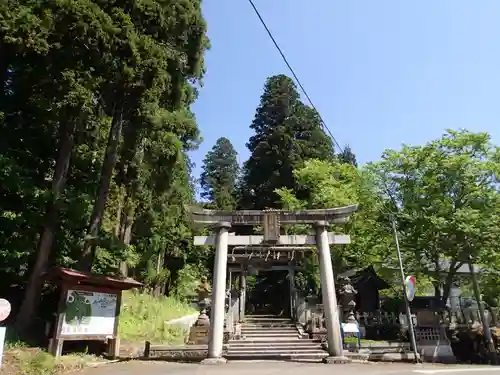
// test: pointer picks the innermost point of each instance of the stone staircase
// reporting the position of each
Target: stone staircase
(273, 338)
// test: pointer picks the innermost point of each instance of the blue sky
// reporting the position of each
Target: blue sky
(380, 72)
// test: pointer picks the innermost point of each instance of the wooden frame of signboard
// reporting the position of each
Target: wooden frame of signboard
(106, 291)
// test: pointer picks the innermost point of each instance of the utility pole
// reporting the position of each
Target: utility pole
(486, 328)
(411, 330)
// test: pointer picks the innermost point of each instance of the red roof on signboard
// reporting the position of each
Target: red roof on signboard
(87, 278)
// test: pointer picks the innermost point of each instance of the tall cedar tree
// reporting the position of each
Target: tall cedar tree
(220, 174)
(74, 66)
(287, 132)
(347, 156)
(155, 59)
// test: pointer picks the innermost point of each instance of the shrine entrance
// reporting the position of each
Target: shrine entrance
(237, 257)
(269, 294)
(262, 291)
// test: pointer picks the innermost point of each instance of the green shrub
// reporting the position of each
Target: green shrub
(143, 318)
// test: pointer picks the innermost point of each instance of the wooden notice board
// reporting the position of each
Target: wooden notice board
(89, 308)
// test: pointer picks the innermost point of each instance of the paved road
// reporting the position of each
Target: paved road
(286, 368)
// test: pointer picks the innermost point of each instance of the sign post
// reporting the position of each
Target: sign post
(411, 331)
(4, 314)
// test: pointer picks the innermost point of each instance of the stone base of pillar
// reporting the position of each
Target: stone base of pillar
(336, 360)
(214, 361)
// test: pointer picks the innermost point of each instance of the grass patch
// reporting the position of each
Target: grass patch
(35, 361)
(143, 317)
(354, 340)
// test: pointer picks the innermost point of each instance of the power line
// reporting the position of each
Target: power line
(293, 73)
(390, 214)
(303, 88)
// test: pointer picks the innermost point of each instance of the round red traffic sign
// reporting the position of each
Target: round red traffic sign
(4, 309)
(410, 283)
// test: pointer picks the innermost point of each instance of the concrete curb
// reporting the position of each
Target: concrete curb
(100, 364)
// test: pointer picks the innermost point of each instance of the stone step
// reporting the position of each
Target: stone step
(266, 319)
(269, 330)
(272, 341)
(277, 356)
(276, 351)
(271, 335)
(276, 346)
(268, 325)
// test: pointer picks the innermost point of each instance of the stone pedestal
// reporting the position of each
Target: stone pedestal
(336, 360)
(198, 333)
(214, 361)
(434, 346)
(237, 331)
(198, 336)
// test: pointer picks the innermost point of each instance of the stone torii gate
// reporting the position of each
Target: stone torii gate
(272, 240)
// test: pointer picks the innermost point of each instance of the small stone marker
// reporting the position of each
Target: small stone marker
(4, 314)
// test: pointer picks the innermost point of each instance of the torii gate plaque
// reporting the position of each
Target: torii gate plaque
(271, 221)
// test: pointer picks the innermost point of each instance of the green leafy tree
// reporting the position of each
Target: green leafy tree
(447, 204)
(335, 184)
(220, 175)
(287, 132)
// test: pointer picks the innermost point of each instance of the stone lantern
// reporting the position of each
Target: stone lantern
(198, 334)
(347, 299)
(204, 301)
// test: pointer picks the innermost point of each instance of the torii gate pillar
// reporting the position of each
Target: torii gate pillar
(216, 332)
(334, 334)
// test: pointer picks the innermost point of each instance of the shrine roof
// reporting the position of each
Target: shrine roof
(67, 275)
(366, 275)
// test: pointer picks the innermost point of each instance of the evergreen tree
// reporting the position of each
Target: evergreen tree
(287, 132)
(220, 174)
(96, 122)
(347, 156)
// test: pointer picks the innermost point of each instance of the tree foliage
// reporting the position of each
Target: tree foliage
(287, 132)
(96, 123)
(335, 184)
(446, 200)
(444, 196)
(220, 174)
(347, 156)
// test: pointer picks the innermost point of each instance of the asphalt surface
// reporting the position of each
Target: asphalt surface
(287, 368)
